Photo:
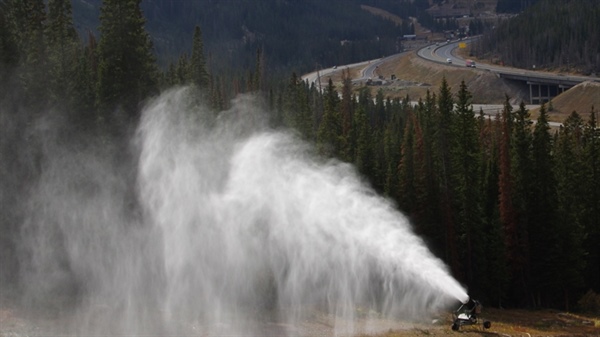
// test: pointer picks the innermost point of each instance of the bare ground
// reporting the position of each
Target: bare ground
(505, 323)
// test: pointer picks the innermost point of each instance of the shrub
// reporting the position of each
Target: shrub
(590, 302)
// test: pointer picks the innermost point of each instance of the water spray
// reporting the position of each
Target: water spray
(238, 224)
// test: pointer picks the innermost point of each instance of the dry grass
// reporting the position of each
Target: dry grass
(514, 323)
(580, 98)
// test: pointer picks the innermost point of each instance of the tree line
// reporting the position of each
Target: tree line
(507, 203)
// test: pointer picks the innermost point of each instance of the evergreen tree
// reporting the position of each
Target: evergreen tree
(330, 129)
(127, 72)
(86, 78)
(9, 51)
(406, 169)
(29, 17)
(522, 173)
(543, 236)
(63, 48)
(506, 187)
(363, 157)
(347, 114)
(591, 203)
(466, 185)
(431, 220)
(571, 181)
(199, 74)
(297, 112)
(443, 167)
(494, 281)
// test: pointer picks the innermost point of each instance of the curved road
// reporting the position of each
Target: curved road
(366, 73)
(441, 53)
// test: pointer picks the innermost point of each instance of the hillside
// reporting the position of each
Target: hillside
(415, 76)
(580, 98)
(295, 35)
(552, 35)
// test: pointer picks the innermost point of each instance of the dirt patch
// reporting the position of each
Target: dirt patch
(510, 323)
(505, 323)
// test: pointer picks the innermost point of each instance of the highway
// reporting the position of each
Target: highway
(367, 71)
(314, 76)
(441, 53)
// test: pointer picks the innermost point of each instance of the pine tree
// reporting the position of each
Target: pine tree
(127, 71)
(28, 18)
(199, 74)
(466, 185)
(330, 129)
(543, 236)
(591, 203)
(63, 48)
(506, 186)
(493, 278)
(347, 114)
(430, 222)
(297, 112)
(571, 186)
(86, 78)
(406, 168)
(363, 157)
(9, 50)
(443, 167)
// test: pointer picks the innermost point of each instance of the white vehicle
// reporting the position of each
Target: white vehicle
(448, 60)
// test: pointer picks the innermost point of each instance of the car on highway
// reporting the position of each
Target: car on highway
(448, 60)
(470, 63)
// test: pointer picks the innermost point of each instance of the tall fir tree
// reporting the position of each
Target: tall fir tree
(30, 18)
(431, 220)
(506, 187)
(465, 173)
(346, 113)
(63, 50)
(591, 217)
(521, 173)
(329, 134)
(542, 226)
(199, 74)
(363, 157)
(571, 187)
(127, 70)
(9, 50)
(443, 139)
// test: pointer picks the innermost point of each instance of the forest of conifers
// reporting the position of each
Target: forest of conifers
(510, 204)
(561, 35)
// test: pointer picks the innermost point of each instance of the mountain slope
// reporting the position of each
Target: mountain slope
(296, 34)
(562, 35)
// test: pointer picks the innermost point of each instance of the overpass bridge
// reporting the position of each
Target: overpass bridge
(541, 88)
